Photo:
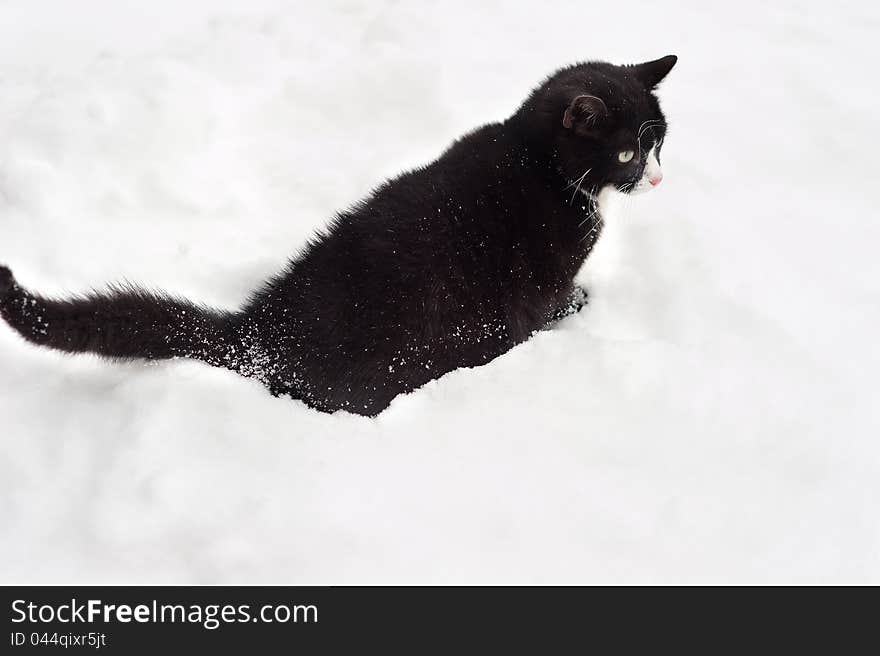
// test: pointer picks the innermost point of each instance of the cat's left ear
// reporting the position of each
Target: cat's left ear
(584, 111)
(651, 73)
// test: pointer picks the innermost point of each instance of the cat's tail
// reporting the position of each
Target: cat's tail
(126, 322)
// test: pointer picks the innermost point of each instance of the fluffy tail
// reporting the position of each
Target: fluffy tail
(124, 323)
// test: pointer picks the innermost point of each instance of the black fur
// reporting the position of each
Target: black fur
(446, 266)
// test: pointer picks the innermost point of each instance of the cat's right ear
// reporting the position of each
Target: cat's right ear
(651, 73)
(584, 112)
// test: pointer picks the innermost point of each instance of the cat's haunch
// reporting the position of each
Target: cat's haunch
(446, 266)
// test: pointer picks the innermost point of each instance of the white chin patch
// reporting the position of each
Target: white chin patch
(651, 176)
(607, 200)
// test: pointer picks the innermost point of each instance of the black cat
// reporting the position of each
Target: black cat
(446, 266)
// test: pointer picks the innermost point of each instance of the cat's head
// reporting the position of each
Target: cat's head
(603, 124)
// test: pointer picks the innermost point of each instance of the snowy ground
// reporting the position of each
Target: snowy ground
(712, 416)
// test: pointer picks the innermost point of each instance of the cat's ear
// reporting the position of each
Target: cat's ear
(651, 73)
(584, 111)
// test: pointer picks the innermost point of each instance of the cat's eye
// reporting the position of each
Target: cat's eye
(625, 156)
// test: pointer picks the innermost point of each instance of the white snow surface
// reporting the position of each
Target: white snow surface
(710, 417)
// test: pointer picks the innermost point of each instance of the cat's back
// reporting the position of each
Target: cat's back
(430, 212)
(422, 239)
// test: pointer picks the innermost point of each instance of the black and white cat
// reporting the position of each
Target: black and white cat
(446, 266)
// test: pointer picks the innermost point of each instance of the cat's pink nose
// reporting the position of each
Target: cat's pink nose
(655, 179)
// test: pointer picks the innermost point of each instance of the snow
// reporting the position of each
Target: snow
(710, 417)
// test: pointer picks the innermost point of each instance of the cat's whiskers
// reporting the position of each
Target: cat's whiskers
(593, 214)
(592, 230)
(578, 185)
(629, 203)
(647, 125)
(644, 127)
(574, 182)
(590, 215)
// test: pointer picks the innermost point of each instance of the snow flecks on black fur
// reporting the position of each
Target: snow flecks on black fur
(446, 266)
